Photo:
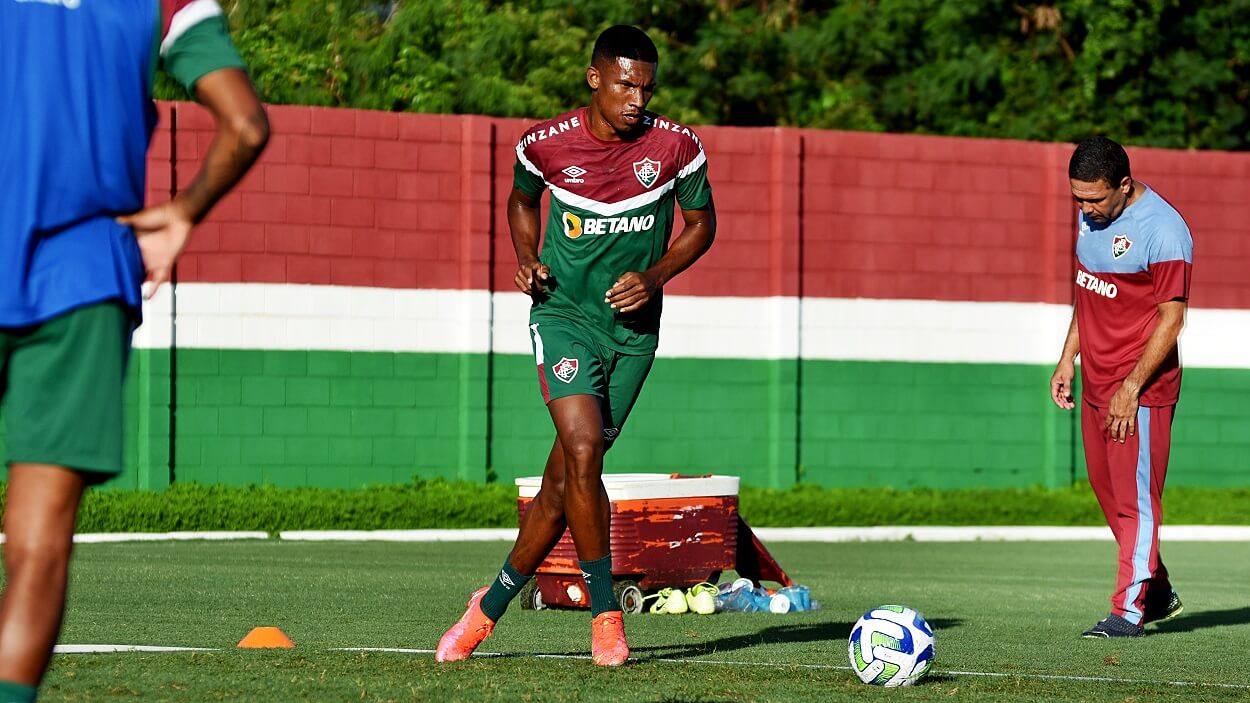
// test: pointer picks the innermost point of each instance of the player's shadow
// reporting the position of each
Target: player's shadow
(775, 634)
(1205, 619)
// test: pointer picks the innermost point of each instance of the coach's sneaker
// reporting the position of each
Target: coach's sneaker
(1170, 609)
(701, 598)
(1113, 626)
(607, 639)
(468, 632)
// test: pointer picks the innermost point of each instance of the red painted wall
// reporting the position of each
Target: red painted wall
(352, 197)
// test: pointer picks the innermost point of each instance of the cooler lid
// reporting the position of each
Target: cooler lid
(641, 486)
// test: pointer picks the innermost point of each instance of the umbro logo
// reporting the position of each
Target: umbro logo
(506, 580)
(574, 174)
(585, 576)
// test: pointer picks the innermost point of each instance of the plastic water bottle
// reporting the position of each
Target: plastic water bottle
(799, 596)
(763, 599)
(779, 604)
(742, 600)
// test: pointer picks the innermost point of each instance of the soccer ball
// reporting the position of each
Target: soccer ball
(891, 646)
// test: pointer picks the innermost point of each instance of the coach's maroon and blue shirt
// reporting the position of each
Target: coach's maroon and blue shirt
(611, 212)
(1125, 269)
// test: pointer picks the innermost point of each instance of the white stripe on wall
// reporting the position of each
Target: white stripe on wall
(343, 318)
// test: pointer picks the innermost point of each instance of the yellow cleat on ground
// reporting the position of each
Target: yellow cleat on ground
(701, 598)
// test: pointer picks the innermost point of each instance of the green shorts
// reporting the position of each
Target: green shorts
(61, 386)
(570, 362)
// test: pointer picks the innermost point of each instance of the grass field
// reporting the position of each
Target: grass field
(1011, 612)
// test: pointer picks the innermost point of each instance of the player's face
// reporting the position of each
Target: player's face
(1099, 201)
(622, 89)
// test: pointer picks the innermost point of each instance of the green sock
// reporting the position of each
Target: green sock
(16, 692)
(598, 576)
(506, 587)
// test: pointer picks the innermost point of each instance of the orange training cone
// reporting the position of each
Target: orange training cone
(266, 638)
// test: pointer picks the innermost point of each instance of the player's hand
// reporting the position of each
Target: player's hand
(163, 231)
(530, 277)
(1122, 413)
(631, 291)
(1061, 390)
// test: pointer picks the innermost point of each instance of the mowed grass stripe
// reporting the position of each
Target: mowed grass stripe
(1014, 609)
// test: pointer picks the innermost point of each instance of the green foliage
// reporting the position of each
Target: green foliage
(807, 506)
(441, 504)
(1153, 72)
(424, 504)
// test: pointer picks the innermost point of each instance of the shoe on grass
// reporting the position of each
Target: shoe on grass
(1171, 608)
(701, 598)
(468, 632)
(671, 601)
(1113, 626)
(607, 639)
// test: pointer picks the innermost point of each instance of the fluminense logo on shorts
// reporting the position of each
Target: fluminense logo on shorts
(565, 369)
(1097, 285)
(574, 226)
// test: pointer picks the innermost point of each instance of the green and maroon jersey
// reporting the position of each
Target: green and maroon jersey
(611, 212)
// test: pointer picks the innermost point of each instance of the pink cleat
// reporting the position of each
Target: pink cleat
(607, 639)
(468, 632)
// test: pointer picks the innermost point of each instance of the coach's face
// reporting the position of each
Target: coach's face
(1099, 201)
(621, 90)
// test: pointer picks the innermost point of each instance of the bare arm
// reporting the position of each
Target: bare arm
(634, 289)
(1122, 411)
(523, 215)
(242, 132)
(1061, 390)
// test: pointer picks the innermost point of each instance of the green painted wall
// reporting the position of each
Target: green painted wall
(335, 419)
(146, 451)
(345, 419)
(944, 425)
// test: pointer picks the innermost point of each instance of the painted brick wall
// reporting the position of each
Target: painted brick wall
(415, 202)
(296, 418)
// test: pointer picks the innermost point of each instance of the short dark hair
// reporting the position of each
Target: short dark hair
(623, 41)
(1099, 158)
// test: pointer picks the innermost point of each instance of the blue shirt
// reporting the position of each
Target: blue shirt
(74, 77)
(77, 116)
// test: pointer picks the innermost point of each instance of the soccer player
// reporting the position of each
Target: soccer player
(75, 243)
(1134, 254)
(613, 170)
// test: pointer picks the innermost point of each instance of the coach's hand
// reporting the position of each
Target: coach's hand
(531, 275)
(1061, 390)
(632, 291)
(163, 231)
(1122, 413)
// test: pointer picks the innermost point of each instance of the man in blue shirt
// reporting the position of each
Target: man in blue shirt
(75, 246)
